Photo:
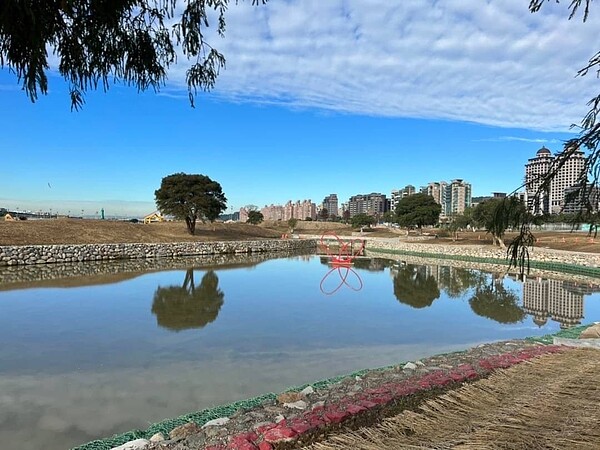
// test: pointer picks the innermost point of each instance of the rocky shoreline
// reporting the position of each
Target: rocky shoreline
(482, 252)
(308, 413)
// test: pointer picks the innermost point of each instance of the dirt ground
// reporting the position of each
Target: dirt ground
(78, 231)
(575, 242)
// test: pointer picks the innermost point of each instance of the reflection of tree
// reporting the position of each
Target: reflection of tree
(496, 302)
(456, 281)
(179, 308)
(414, 287)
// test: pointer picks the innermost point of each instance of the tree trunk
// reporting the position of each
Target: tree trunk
(498, 241)
(191, 224)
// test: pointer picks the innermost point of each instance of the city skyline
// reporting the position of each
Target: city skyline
(124, 209)
(365, 102)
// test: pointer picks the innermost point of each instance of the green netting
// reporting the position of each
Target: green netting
(571, 333)
(542, 265)
(199, 418)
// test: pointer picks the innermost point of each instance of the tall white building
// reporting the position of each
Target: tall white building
(551, 201)
(458, 197)
(454, 197)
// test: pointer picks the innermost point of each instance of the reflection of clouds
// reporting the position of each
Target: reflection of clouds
(60, 411)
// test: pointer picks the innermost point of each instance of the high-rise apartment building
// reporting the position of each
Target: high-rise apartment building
(453, 197)
(305, 209)
(438, 192)
(299, 210)
(458, 197)
(373, 204)
(535, 169)
(566, 178)
(557, 198)
(399, 194)
(330, 203)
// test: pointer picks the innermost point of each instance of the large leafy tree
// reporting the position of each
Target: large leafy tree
(323, 214)
(255, 217)
(190, 198)
(362, 220)
(100, 42)
(417, 211)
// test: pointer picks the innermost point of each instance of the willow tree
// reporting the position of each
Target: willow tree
(101, 42)
(497, 215)
(587, 140)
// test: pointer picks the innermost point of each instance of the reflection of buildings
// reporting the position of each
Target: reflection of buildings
(555, 299)
(440, 272)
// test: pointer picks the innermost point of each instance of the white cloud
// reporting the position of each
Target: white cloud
(520, 139)
(486, 62)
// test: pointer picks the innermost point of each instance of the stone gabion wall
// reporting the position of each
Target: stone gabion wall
(476, 251)
(49, 254)
(44, 275)
(486, 267)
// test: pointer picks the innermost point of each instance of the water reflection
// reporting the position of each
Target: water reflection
(343, 275)
(489, 296)
(562, 301)
(456, 281)
(182, 307)
(414, 286)
(89, 355)
(494, 301)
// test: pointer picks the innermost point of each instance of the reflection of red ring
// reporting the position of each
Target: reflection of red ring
(343, 278)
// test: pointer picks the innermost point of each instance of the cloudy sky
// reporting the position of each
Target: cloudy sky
(344, 96)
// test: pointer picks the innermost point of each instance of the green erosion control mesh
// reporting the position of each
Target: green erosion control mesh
(542, 265)
(571, 333)
(199, 418)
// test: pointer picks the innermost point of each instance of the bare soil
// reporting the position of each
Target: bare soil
(78, 231)
(574, 242)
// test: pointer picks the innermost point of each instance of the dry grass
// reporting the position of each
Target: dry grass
(575, 242)
(77, 231)
(550, 403)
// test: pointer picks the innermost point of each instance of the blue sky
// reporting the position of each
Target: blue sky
(344, 96)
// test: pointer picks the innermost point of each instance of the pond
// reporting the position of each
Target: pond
(90, 356)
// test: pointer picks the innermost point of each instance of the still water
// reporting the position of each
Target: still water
(89, 357)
